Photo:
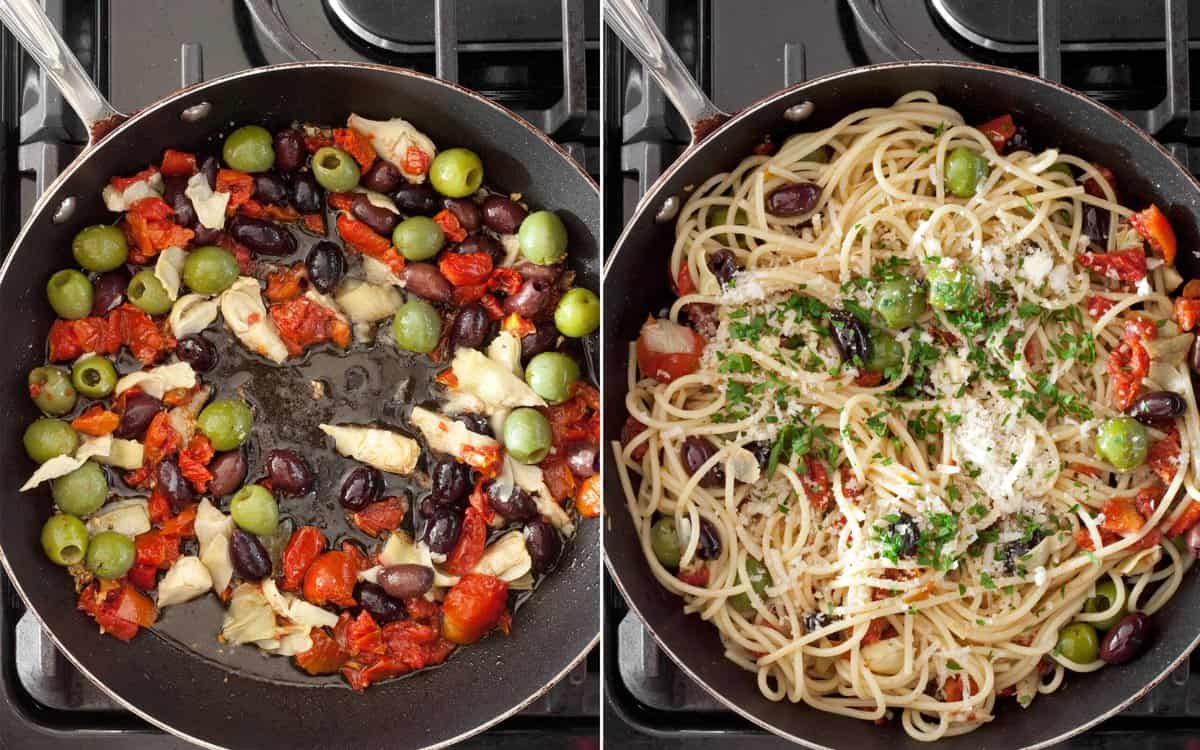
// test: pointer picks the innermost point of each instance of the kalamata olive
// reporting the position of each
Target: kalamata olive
(140, 409)
(382, 177)
(229, 471)
(537, 272)
(406, 581)
(710, 541)
(1157, 405)
(262, 236)
(289, 150)
(173, 485)
(850, 337)
(442, 531)
(269, 188)
(108, 291)
(451, 481)
(543, 339)
(306, 193)
(417, 199)
(694, 452)
(289, 473)
(476, 423)
(251, 561)
(503, 215)
(466, 211)
(361, 487)
(482, 243)
(510, 502)
(325, 264)
(544, 545)
(723, 264)
(761, 450)
(379, 604)
(1194, 356)
(1127, 639)
(175, 197)
(1192, 540)
(1019, 141)
(531, 299)
(209, 168)
(197, 352)
(583, 457)
(1095, 224)
(470, 327)
(206, 236)
(794, 199)
(379, 219)
(425, 280)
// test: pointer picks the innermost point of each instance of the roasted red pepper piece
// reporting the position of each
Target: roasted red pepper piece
(138, 331)
(998, 131)
(473, 607)
(286, 283)
(330, 579)
(305, 546)
(1119, 265)
(314, 223)
(178, 163)
(144, 577)
(466, 269)
(356, 144)
(256, 210)
(471, 542)
(364, 636)
(1152, 224)
(182, 524)
(384, 515)
(156, 549)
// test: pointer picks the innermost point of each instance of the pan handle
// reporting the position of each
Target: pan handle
(642, 36)
(29, 24)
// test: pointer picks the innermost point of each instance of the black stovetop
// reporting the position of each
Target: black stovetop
(741, 51)
(140, 50)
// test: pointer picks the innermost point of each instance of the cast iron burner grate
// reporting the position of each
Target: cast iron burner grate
(737, 59)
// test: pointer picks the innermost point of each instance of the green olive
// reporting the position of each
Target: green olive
(1106, 594)
(418, 238)
(64, 539)
(527, 435)
(110, 555)
(820, 155)
(965, 169)
(100, 248)
(47, 438)
(1122, 442)
(335, 169)
(551, 375)
(94, 376)
(899, 302)
(1079, 643)
(70, 294)
(720, 215)
(664, 540)
(578, 313)
(456, 173)
(210, 270)
(760, 579)
(950, 289)
(51, 389)
(250, 148)
(543, 238)
(148, 293)
(886, 352)
(417, 326)
(254, 510)
(226, 423)
(83, 491)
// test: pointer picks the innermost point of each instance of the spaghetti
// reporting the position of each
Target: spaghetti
(879, 440)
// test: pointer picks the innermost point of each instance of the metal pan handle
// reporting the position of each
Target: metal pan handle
(642, 36)
(29, 24)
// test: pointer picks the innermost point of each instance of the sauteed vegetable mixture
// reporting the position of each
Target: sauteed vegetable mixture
(155, 498)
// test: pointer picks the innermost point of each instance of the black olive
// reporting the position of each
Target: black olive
(1157, 405)
(723, 264)
(850, 337)
(442, 531)
(544, 545)
(905, 533)
(289, 473)
(375, 600)
(475, 423)
(361, 487)
(710, 541)
(1095, 224)
(325, 264)
(794, 199)
(451, 481)
(694, 452)
(510, 502)
(250, 558)
(1126, 639)
(1014, 551)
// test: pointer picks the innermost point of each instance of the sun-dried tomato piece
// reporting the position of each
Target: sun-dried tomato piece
(1186, 313)
(287, 283)
(239, 185)
(384, 515)
(356, 144)
(178, 163)
(358, 236)
(416, 161)
(451, 227)
(96, 421)
(466, 269)
(1119, 265)
(1097, 306)
(122, 183)
(1152, 224)
(303, 323)
(1163, 456)
(150, 227)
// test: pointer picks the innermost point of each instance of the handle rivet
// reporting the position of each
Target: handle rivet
(669, 210)
(65, 210)
(798, 112)
(196, 112)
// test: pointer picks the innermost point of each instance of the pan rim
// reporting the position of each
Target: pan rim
(49, 194)
(652, 196)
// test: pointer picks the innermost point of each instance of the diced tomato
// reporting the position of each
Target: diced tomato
(1091, 187)
(239, 185)
(998, 131)
(682, 283)
(1187, 313)
(505, 279)
(152, 230)
(631, 429)
(451, 227)
(193, 462)
(324, 657)
(816, 483)
(156, 549)
(1097, 306)
(182, 524)
(1152, 224)
(69, 339)
(123, 183)
(1119, 265)
(306, 545)
(356, 144)
(96, 421)
(473, 607)
(416, 161)
(330, 579)
(384, 515)
(314, 223)
(466, 269)
(667, 350)
(303, 323)
(118, 608)
(694, 575)
(1121, 517)
(588, 501)
(1189, 518)
(952, 688)
(178, 163)
(478, 500)
(471, 542)
(358, 236)
(286, 283)
(1148, 498)
(1163, 456)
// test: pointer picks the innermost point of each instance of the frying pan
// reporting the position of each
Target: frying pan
(175, 675)
(635, 285)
